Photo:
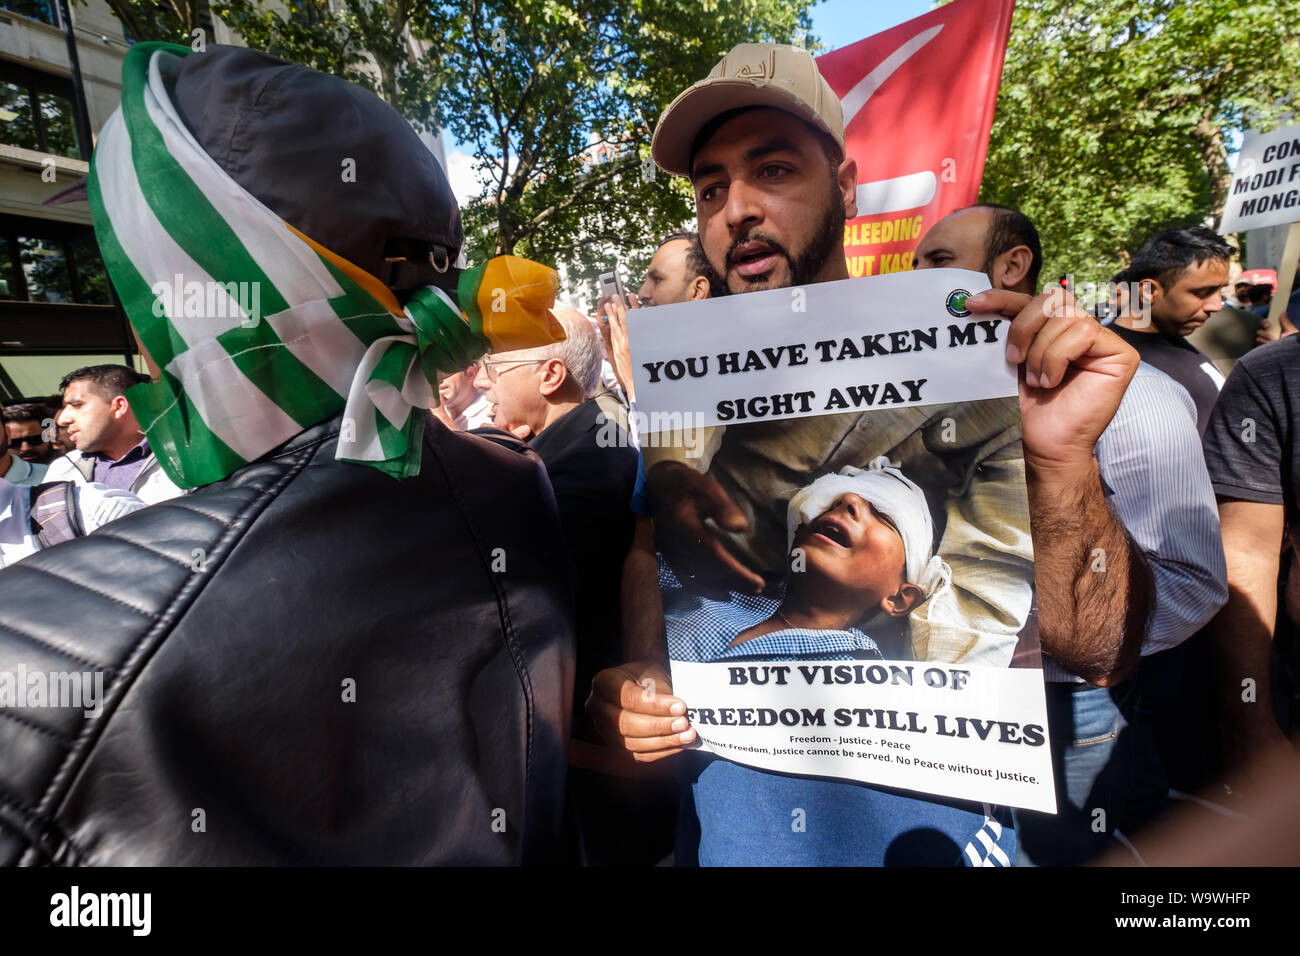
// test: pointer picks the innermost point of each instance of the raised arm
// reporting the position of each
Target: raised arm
(1073, 377)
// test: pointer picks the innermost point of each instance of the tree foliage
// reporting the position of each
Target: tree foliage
(173, 20)
(1115, 118)
(366, 41)
(558, 101)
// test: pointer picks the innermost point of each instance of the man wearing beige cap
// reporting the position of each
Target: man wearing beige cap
(762, 141)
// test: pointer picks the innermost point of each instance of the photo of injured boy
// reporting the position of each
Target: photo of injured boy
(860, 543)
(919, 553)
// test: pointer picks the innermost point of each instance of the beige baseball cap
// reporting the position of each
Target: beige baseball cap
(752, 74)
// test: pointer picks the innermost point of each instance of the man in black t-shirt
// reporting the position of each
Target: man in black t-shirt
(1176, 276)
(1252, 450)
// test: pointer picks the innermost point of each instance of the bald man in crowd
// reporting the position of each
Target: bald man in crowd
(677, 272)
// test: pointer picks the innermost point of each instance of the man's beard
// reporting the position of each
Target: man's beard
(803, 268)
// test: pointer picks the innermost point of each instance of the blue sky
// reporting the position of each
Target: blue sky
(836, 23)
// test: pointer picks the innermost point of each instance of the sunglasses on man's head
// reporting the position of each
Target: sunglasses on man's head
(28, 440)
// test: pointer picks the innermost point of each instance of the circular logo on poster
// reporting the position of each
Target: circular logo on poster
(956, 303)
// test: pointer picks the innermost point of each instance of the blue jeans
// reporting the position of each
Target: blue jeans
(1109, 775)
(1085, 725)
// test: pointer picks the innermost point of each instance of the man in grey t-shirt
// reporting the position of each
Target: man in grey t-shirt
(1253, 455)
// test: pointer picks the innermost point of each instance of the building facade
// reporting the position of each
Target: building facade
(56, 306)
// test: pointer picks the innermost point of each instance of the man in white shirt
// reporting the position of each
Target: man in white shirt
(14, 468)
(92, 505)
(111, 447)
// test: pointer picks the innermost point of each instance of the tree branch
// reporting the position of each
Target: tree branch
(580, 189)
(504, 141)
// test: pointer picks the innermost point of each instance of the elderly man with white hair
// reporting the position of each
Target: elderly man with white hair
(546, 397)
(532, 389)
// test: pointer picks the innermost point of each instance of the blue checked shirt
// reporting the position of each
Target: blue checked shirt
(701, 629)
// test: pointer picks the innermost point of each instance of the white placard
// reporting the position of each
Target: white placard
(857, 369)
(882, 342)
(975, 732)
(1265, 188)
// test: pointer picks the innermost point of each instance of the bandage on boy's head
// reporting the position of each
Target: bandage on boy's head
(894, 496)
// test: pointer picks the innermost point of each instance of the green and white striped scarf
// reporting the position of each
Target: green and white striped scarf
(325, 336)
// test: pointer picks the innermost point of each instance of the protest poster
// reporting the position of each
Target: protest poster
(1265, 192)
(837, 483)
(1265, 188)
(932, 82)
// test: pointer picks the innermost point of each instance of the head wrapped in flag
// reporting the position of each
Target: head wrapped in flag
(283, 244)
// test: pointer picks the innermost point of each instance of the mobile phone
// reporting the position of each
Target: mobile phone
(611, 285)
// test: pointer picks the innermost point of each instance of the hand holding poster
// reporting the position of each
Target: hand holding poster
(838, 489)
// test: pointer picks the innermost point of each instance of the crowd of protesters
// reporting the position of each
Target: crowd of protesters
(1182, 465)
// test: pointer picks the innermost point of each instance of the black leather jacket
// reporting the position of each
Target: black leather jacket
(231, 623)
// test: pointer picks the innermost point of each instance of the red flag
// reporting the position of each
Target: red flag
(918, 106)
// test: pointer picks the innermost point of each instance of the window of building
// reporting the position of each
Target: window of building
(6, 269)
(32, 376)
(36, 111)
(92, 277)
(17, 116)
(42, 10)
(48, 261)
(45, 270)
